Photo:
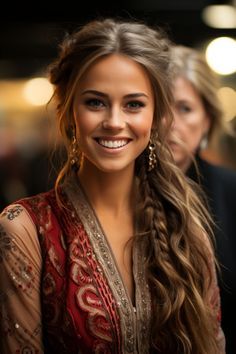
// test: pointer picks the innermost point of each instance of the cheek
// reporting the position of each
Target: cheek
(193, 125)
(191, 137)
(84, 122)
(195, 128)
(143, 124)
(192, 128)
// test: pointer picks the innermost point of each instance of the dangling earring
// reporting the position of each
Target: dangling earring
(204, 142)
(74, 156)
(152, 157)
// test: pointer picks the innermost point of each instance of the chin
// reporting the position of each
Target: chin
(178, 158)
(114, 167)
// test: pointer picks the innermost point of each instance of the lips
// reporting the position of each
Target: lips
(112, 143)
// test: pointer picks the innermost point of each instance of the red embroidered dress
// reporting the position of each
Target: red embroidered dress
(83, 305)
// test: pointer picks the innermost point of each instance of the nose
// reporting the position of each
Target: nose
(114, 120)
(176, 120)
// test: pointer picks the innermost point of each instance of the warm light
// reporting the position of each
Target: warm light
(221, 55)
(38, 91)
(220, 16)
(227, 97)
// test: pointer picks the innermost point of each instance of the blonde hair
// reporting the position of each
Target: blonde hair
(171, 219)
(191, 64)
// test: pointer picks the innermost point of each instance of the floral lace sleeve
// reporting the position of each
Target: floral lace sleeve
(20, 268)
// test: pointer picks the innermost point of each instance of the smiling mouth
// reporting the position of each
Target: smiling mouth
(112, 144)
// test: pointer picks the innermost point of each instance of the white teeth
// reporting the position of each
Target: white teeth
(112, 144)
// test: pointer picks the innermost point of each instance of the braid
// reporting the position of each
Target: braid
(171, 219)
(174, 277)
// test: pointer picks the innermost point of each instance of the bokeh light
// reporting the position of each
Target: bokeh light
(38, 91)
(221, 55)
(220, 16)
(227, 96)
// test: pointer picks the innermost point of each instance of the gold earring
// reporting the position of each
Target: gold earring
(152, 157)
(74, 156)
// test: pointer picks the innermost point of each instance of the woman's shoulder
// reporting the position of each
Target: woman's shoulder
(20, 215)
(17, 229)
(38, 199)
(34, 204)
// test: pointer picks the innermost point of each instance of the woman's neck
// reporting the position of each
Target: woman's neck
(113, 191)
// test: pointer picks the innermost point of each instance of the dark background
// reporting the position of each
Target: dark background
(29, 38)
(29, 35)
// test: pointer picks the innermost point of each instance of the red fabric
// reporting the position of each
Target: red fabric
(78, 308)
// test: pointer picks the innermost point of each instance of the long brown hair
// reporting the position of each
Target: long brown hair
(171, 219)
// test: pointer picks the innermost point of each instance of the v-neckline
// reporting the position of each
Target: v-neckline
(131, 303)
(134, 320)
(93, 212)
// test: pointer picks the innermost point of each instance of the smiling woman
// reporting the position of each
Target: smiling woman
(117, 258)
(113, 113)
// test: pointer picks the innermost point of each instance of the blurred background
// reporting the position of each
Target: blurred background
(29, 39)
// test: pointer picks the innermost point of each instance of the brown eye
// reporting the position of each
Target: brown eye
(184, 109)
(135, 105)
(94, 103)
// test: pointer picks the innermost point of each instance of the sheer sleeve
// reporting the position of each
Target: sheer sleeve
(20, 270)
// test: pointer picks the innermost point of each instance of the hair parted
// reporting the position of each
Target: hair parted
(171, 219)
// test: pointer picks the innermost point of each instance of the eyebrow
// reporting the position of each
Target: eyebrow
(183, 100)
(104, 95)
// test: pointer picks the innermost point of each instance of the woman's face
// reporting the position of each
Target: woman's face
(113, 113)
(191, 122)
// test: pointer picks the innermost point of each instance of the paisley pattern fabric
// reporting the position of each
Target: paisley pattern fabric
(84, 305)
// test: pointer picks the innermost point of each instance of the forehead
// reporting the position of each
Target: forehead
(183, 88)
(116, 69)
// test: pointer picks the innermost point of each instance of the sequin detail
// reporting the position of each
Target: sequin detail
(5, 243)
(134, 326)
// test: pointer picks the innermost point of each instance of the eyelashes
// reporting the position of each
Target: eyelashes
(135, 105)
(183, 107)
(97, 104)
(94, 103)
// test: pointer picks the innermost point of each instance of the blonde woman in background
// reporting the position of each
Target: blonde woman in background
(198, 119)
(117, 258)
